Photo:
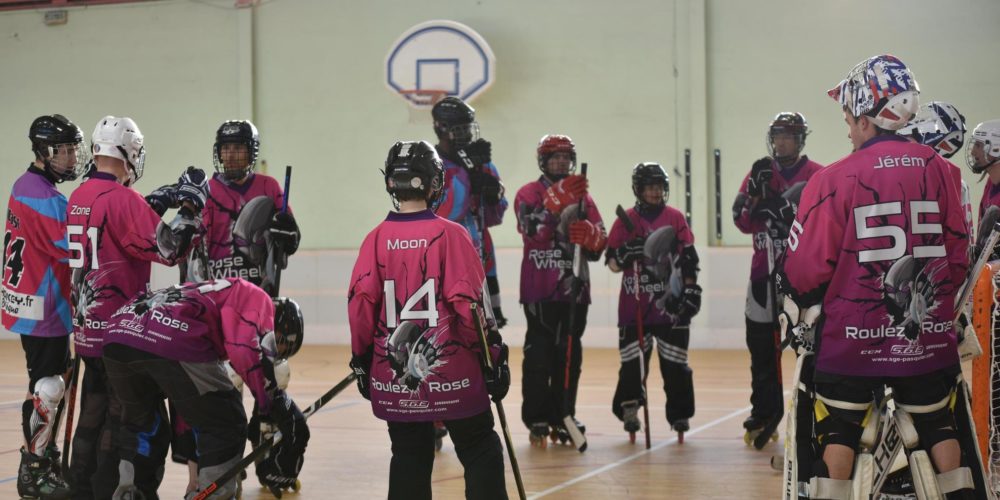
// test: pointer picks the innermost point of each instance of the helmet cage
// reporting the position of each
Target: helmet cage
(236, 132)
(551, 144)
(59, 144)
(649, 174)
(881, 88)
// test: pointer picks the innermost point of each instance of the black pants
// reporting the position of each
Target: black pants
(765, 383)
(544, 366)
(671, 346)
(201, 393)
(476, 444)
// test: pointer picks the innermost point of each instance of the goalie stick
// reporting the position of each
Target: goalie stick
(630, 227)
(276, 256)
(269, 443)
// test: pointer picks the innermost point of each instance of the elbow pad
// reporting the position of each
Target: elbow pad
(689, 263)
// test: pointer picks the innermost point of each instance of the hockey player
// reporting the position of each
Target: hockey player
(983, 157)
(172, 342)
(473, 194)
(36, 293)
(550, 226)
(880, 242)
(415, 347)
(234, 185)
(762, 211)
(114, 236)
(661, 246)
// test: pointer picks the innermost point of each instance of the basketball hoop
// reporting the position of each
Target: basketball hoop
(423, 98)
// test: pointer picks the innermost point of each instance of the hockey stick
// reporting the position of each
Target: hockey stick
(480, 215)
(278, 257)
(488, 365)
(574, 432)
(977, 269)
(70, 400)
(269, 443)
(622, 216)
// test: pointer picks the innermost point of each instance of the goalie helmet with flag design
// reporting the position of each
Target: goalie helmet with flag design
(939, 125)
(882, 88)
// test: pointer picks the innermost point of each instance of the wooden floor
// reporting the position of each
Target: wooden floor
(348, 456)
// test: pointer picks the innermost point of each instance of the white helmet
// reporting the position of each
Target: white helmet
(881, 88)
(120, 138)
(985, 139)
(938, 125)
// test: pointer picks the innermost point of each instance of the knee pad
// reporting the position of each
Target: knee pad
(49, 392)
(839, 422)
(930, 424)
(45, 403)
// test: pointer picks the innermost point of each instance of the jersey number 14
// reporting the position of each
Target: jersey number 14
(408, 312)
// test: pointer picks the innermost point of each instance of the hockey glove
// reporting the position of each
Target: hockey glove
(690, 302)
(480, 152)
(565, 193)
(498, 382)
(498, 316)
(362, 366)
(760, 175)
(587, 235)
(778, 210)
(193, 187)
(163, 199)
(629, 252)
(489, 188)
(285, 232)
(282, 465)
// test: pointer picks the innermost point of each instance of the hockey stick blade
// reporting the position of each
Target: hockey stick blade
(579, 440)
(266, 446)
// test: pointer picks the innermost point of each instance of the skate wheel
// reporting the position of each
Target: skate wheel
(680, 437)
(554, 436)
(631, 437)
(747, 438)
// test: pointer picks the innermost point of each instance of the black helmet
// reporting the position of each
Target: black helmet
(645, 174)
(289, 328)
(413, 169)
(455, 121)
(788, 123)
(236, 132)
(50, 131)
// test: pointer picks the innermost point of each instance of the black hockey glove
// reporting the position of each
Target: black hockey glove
(285, 232)
(480, 152)
(163, 199)
(629, 252)
(760, 175)
(498, 316)
(283, 463)
(486, 186)
(690, 301)
(193, 187)
(498, 381)
(778, 210)
(362, 366)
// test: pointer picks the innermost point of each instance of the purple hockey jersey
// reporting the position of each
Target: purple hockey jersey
(547, 264)
(458, 204)
(880, 236)
(660, 282)
(112, 240)
(409, 298)
(225, 202)
(36, 284)
(200, 323)
(784, 178)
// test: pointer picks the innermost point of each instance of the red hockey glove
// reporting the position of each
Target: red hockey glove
(565, 193)
(587, 235)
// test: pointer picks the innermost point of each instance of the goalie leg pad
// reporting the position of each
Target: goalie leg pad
(924, 478)
(825, 488)
(955, 480)
(45, 401)
(933, 423)
(864, 476)
(904, 422)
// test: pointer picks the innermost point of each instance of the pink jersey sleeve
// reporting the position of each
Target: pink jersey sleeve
(364, 298)
(618, 235)
(246, 317)
(140, 223)
(816, 235)
(534, 222)
(463, 282)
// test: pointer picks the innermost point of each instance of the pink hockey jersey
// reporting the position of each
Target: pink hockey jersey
(200, 323)
(547, 264)
(784, 178)
(660, 283)
(991, 197)
(112, 240)
(225, 202)
(880, 236)
(36, 276)
(408, 302)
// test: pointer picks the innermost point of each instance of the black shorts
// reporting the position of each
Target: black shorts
(45, 356)
(925, 389)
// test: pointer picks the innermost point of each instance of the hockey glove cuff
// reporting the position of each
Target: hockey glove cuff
(163, 199)
(362, 368)
(565, 193)
(630, 252)
(690, 301)
(588, 235)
